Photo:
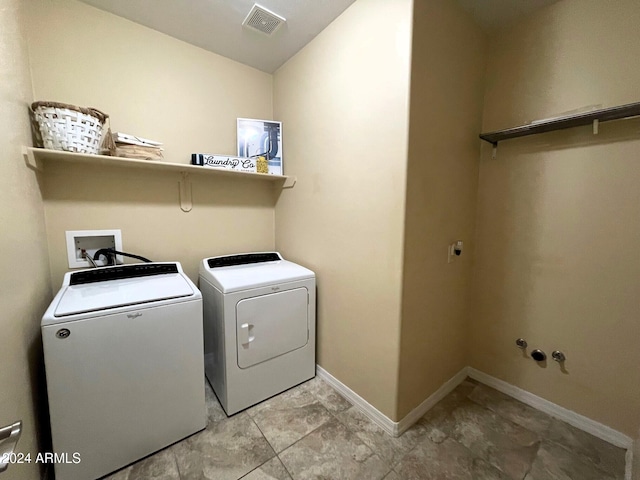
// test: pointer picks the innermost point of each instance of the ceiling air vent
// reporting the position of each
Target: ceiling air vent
(263, 20)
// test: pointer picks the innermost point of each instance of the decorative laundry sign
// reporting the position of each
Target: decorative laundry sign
(239, 164)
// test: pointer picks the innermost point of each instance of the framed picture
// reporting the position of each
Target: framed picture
(261, 138)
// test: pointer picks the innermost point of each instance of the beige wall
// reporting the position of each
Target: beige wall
(24, 282)
(446, 111)
(559, 214)
(156, 87)
(635, 470)
(343, 101)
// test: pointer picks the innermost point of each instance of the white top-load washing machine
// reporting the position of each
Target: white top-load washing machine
(123, 350)
(259, 326)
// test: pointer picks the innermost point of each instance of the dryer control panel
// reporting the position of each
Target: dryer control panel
(243, 259)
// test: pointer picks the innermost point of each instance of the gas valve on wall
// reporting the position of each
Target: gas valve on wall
(454, 250)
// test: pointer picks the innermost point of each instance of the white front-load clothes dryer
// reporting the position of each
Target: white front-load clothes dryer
(259, 326)
(123, 351)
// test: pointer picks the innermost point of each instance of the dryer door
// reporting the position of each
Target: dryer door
(271, 325)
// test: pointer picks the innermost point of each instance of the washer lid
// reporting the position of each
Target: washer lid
(96, 296)
(261, 270)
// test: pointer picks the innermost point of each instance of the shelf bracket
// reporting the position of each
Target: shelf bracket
(184, 190)
(494, 151)
(30, 159)
(289, 182)
(596, 124)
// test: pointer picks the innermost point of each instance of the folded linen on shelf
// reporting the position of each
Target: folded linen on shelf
(129, 146)
(127, 138)
(138, 152)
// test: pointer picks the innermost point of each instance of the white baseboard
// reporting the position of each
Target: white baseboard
(376, 416)
(414, 415)
(596, 429)
(396, 429)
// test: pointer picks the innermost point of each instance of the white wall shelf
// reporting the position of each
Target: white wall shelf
(37, 158)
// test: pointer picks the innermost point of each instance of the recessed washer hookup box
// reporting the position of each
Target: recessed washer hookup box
(239, 164)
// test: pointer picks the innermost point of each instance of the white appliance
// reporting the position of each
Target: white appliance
(259, 326)
(123, 350)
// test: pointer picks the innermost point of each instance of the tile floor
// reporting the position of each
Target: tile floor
(311, 432)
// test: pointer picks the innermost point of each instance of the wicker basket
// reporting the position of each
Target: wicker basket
(67, 127)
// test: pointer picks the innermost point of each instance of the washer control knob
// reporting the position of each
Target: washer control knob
(63, 333)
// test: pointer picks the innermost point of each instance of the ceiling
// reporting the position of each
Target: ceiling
(216, 25)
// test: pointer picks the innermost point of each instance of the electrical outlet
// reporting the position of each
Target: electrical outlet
(83, 243)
